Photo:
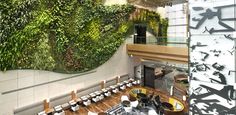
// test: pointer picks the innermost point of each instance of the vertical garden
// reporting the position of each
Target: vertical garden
(60, 35)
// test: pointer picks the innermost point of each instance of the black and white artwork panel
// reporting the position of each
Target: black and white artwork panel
(212, 58)
(212, 17)
(211, 98)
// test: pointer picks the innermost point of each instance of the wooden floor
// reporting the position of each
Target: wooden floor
(114, 99)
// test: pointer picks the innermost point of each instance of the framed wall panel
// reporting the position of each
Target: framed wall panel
(211, 59)
(206, 99)
(212, 17)
(212, 56)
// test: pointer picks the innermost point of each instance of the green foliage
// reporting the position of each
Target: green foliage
(64, 35)
(94, 29)
(13, 40)
(32, 34)
(156, 25)
(164, 26)
(60, 35)
(42, 58)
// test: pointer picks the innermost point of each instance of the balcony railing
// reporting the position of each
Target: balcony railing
(174, 44)
(171, 41)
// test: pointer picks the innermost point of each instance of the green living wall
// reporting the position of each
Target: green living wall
(60, 35)
(155, 24)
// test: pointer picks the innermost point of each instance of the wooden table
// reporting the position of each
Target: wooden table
(115, 99)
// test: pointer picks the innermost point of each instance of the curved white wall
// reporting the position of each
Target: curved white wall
(119, 64)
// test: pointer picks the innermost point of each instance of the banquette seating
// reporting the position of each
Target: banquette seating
(93, 97)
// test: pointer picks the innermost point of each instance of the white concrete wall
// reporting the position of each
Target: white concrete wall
(113, 2)
(119, 64)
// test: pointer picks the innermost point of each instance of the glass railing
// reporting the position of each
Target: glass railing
(174, 44)
(165, 41)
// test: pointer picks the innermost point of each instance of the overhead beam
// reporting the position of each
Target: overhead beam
(159, 53)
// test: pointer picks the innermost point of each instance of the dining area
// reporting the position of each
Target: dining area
(124, 98)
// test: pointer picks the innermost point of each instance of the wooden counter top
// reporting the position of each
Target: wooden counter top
(114, 99)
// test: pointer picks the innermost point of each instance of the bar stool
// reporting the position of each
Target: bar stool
(42, 113)
(152, 112)
(99, 95)
(134, 82)
(138, 82)
(94, 97)
(126, 103)
(128, 84)
(114, 89)
(124, 98)
(86, 100)
(58, 110)
(106, 92)
(73, 105)
(122, 86)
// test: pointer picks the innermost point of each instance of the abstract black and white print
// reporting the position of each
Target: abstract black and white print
(206, 99)
(212, 56)
(212, 17)
(211, 59)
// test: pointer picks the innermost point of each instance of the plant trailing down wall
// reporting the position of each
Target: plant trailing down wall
(60, 35)
(155, 24)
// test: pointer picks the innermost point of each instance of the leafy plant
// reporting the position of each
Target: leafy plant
(42, 58)
(64, 35)
(155, 24)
